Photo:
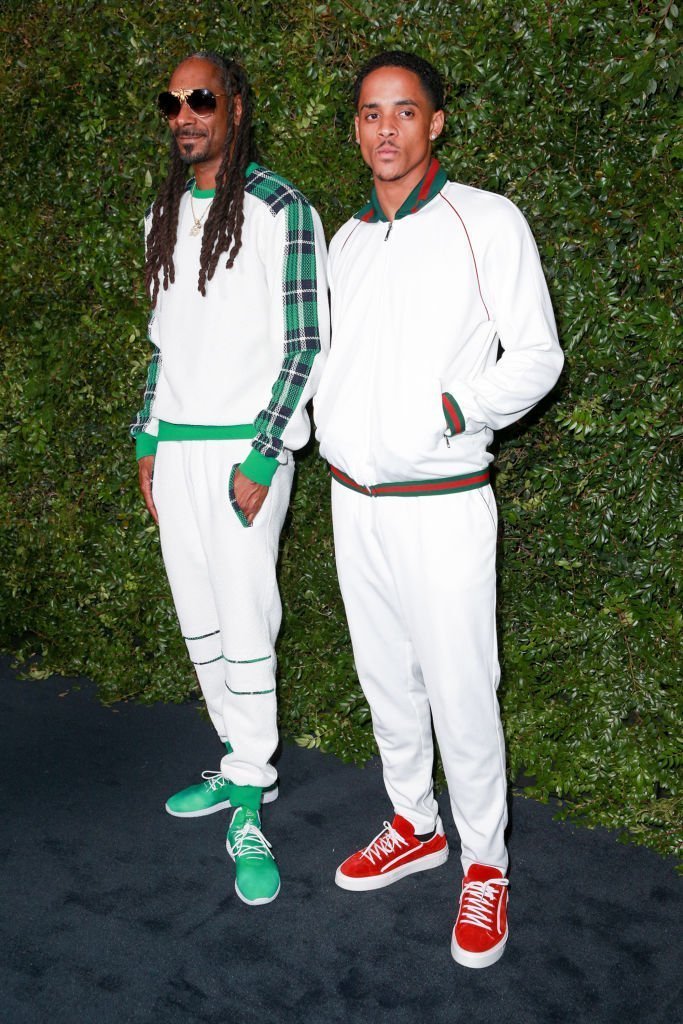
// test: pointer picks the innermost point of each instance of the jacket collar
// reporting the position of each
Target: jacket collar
(432, 183)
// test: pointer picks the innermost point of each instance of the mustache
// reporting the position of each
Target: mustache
(186, 133)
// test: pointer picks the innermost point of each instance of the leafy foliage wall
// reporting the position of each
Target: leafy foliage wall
(565, 107)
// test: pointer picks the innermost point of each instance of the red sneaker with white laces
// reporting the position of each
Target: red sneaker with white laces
(481, 930)
(391, 855)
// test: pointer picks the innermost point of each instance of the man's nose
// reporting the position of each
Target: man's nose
(185, 114)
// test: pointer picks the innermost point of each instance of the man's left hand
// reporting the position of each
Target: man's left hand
(248, 495)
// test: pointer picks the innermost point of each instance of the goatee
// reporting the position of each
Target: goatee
(188, 157)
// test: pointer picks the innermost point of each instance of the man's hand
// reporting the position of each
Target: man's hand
(248, 495)
(145, 474)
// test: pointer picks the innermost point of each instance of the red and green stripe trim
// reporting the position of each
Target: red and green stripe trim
(453, 413)
(416, 488)
(367, 213)
(425, 190)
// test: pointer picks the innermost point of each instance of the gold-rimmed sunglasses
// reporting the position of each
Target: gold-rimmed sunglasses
(201, 102)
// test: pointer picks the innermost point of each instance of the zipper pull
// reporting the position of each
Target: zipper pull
(386, 237)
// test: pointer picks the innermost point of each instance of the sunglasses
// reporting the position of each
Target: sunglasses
(201, 102)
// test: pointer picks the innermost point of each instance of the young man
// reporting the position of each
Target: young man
(236, 273)
(426, 281)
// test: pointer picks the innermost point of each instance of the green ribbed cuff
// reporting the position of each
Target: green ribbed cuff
(259, 468)
(145, 444)
(245, 796)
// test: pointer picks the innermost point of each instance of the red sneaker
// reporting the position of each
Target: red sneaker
(391, 855)
(481, 930)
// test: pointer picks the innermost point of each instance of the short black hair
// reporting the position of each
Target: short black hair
(429, 77)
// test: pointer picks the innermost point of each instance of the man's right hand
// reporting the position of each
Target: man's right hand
(145, 474)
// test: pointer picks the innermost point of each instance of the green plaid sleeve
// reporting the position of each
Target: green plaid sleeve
(301, 341)
(145, 442)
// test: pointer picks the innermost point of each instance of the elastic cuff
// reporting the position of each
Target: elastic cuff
(246, 796)
(145, 444)
(453, 413)
(259, 468)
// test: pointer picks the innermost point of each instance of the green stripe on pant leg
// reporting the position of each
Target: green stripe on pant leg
(250, 677)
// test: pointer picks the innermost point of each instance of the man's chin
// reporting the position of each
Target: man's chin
(189, 154)
(385, 174)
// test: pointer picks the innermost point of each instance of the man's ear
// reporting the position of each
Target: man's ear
(355, 123)
(237, 109)
(436, 124)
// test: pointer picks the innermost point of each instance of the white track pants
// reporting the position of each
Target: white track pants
(417, 575)
(222, 577)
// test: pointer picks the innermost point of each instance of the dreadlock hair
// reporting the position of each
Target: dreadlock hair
(429, 77)
(223, 227)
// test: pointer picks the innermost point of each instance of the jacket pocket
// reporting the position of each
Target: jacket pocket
(453, 414)
(233, 500)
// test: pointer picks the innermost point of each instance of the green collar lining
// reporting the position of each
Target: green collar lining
(209, 193)
(432, 183)
(201, 193)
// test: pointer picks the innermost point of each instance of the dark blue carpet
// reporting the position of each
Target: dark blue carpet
(113, 911)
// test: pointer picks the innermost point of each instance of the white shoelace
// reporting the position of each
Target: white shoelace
(478, 900)
(214, 779)
(384, 843)
(251, 842)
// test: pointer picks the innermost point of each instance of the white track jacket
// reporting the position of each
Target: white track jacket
(414, 386)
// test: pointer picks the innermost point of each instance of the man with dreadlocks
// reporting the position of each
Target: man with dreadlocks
(235, 270)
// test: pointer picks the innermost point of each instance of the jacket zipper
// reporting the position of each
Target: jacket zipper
(372, 356)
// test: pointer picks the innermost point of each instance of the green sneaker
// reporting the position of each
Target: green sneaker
(257, 877)
(211, 795)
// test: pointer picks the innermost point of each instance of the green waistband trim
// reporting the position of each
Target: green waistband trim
(188, 432)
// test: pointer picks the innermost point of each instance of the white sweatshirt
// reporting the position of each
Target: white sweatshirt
(413, 388)
(248, 354)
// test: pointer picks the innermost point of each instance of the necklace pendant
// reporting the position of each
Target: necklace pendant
(196, 228)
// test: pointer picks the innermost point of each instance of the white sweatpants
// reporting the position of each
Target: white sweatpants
(222, 577)
(417, 575)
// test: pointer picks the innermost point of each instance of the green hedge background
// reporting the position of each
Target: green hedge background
(565, 107)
